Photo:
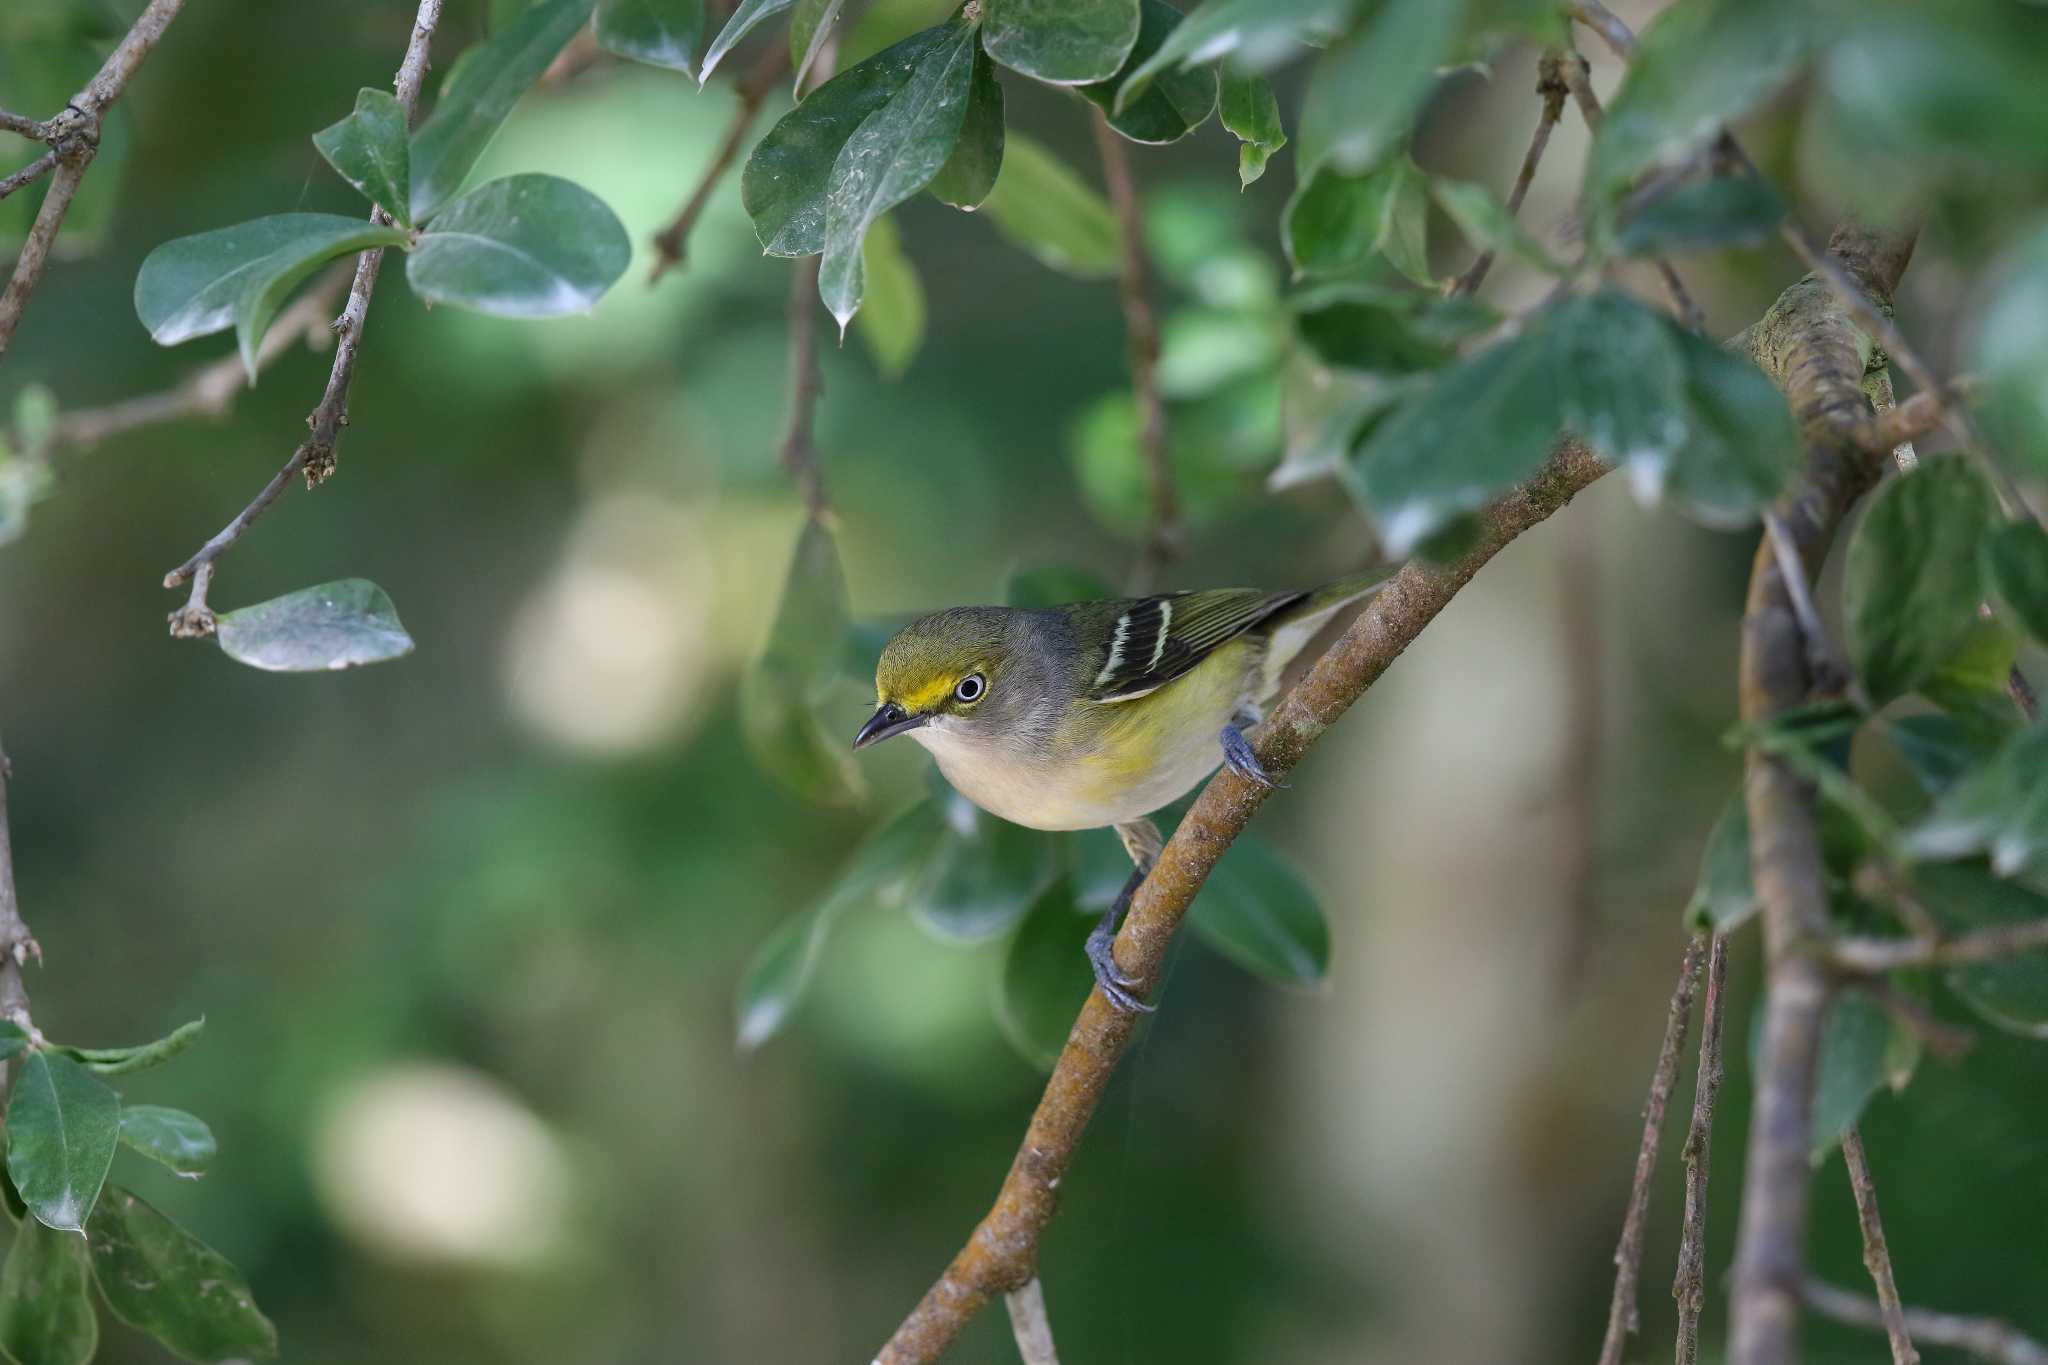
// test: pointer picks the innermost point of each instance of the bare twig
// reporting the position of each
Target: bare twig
(806, 382)
(1033, 1329)
(1609, 26)
(1622, 1316)
(21, 124)
(16, 944)
(74, 138)
(1002, 1252)
(1689, 1286)
(1873, 955)
(751, 90)
(315, 457)
(1830, 675)
(1552, 87)
(1143, 333)
(29, 174)
(1989, 1338)
(1877, 1257)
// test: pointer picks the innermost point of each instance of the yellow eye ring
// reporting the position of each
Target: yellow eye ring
(970, 689)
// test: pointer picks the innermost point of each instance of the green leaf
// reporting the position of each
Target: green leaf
(1364, 94)
(1064, 42)
(1739, 447)
(177, 1139)
(970, 173)
(1097, 866)
(1364, 327)
(785, 183)
(239, 276)
(892, 155)
(121, 1061)
(342, 624)
(2016, 564)
(658, 32)
(369, 149)
(1700, 65)
(1335, 224)
(1724, 897)
(1855, 1043)
(46, 1313)
(2000, 809)
(2007, 349)
(1173, 105)
(1258, 34)
(1046, 976)
(1046, 209)
(13, 1039)
(477, 99)
(782, 967)
(1250, 111)
(61, 1126)
(1203, 349)
(1257, 911)
(1053, 585)
(781, 691)
(2010, 992)
(1938, 748)
(983, 875)
(892, 323)
(809, 28)
(745, 16)
(1738, 210)
(1912, 579)
(526, 246)
(159, 1278)
(1488, 225)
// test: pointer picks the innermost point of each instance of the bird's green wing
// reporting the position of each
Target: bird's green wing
(1150, 641)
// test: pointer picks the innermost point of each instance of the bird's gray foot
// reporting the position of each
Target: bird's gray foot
(1117, 986)
(1239, 758)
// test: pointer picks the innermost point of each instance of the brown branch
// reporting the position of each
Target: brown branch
(1622, 1316)
(35, 130)
(29, 174)
(315, 457)
(751, 90)
(1030, 1325)
(74, 138)
(1877, 1257)
(1689, 1286)
(1163, 543)
(806, 382)
(1002, 1252)
(1552, 87)
(1989, 1338)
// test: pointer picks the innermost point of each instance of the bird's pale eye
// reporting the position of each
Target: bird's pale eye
(970, 688)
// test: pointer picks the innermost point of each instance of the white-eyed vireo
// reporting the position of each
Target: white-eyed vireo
(1097, 713)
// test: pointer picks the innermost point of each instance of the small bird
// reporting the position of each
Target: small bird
(1098, 713)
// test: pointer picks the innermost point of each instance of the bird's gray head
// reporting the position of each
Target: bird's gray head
(977, 673)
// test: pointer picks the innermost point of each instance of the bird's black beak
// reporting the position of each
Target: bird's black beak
(890, 720)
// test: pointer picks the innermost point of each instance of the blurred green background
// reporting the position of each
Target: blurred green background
(466, 928)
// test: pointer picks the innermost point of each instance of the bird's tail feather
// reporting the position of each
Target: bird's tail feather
(1318, 619)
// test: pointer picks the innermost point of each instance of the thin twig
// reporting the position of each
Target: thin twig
(1877, 1257)
(1001, 1254)
(17, 946)
(1989, 1338)
(1830, 675)
(1142, 332)
(1689, 1287)
(1030, 1325)
(1622, 1315)
(35, 130)
(1609, 26)
(29, 174)
(806, 382)
(1869, 956)
(1552, 88)
(315, 457)
(751, 90)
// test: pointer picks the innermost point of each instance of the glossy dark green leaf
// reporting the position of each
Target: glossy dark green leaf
(1045, 977)
(1724, 896)
(971, 172)
(46, 1312)
(982, 876)
(370, 150)
(1364, 327)
(783, 966)
(62, 1125)
(1912, 578)
(1249, 110)
(1052, 586)
(1257, 911)
(1699, 65)
(1364, 94)
(659, 32)
(1999, 809)
(745, 17)
(2011, 992)
(781, 691)
(1335, 224)
(159, 1278)
(525, 246)
(1855, 1055)
(342, 624)
(121, 1061)
(894, 153)
(477, 98)
(809, 28)
(1256, 34)
(1174, 104)
(1065, 42)
(1042, 206)
(892, 320)
(1739, 210)
(785, 184)
(179, 1140)
(2016, 565)
(240, 276)
(2007, 349)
